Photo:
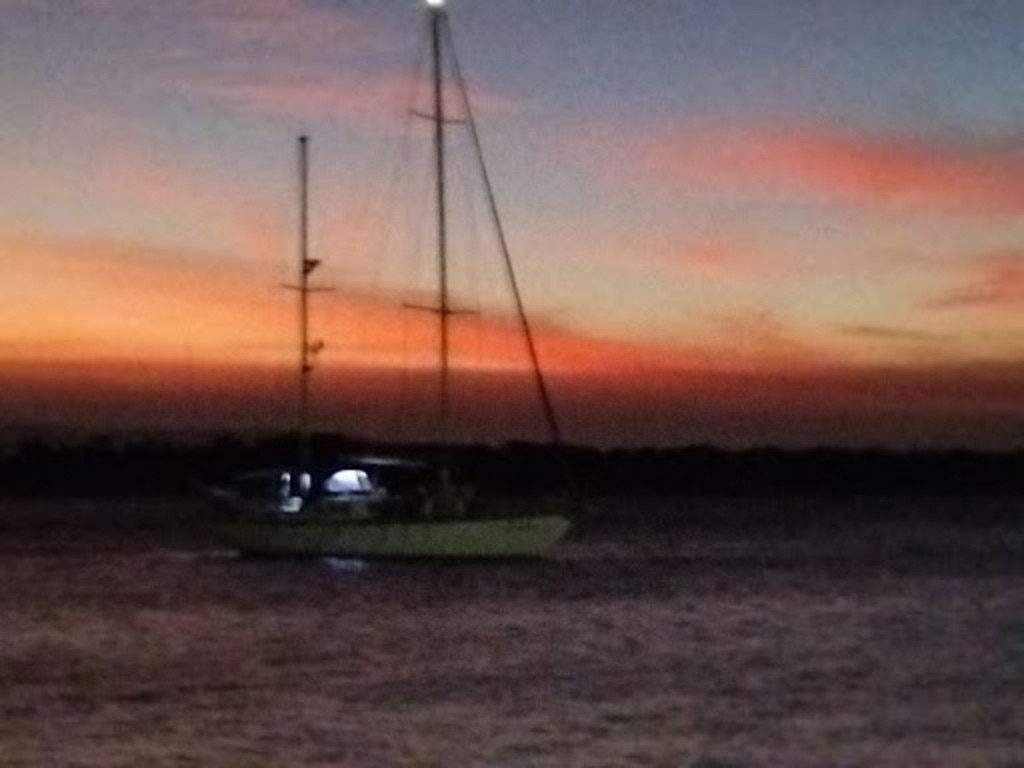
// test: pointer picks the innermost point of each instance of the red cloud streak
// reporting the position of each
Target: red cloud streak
(376, 98)
(832, 165)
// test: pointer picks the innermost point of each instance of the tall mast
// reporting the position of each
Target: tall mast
(439, 32)
(437, 17)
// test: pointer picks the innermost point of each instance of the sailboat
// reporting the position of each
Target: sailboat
(372, 507)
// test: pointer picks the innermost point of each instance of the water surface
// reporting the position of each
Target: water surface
(647, 644)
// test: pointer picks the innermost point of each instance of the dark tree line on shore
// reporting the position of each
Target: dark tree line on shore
(151, 467)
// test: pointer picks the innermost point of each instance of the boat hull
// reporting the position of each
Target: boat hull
(505, 537)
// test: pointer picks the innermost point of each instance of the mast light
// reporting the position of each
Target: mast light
(435, 3)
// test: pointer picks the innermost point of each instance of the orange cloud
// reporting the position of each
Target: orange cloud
(79, 299)
(711, 257)
(996, 281)
(69, 299)
(759, 340)
(239, 222)
(832, 165)
(109, 334)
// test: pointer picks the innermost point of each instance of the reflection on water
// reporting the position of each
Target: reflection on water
(636, 645)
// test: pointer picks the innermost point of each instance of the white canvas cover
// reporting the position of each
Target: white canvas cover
(348, 481)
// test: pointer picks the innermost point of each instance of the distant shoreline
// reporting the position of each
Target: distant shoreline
(145, 467)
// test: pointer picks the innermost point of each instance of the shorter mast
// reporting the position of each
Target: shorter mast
(307, 349)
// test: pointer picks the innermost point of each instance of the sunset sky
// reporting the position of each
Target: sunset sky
(741, 223)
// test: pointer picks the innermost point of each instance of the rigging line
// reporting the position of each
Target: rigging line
(388, 225)
(400, 421)
(469, 242)
(458, 288)
(546, 403)
(472, 243)
(387, 198)
(415, 224)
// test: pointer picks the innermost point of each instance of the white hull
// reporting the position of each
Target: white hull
(298, 535)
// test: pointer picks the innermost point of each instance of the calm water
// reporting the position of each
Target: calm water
(646, 645)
